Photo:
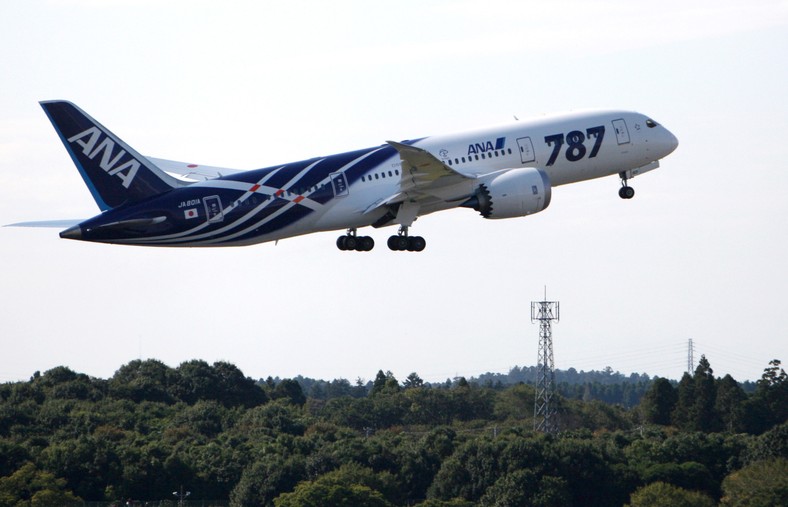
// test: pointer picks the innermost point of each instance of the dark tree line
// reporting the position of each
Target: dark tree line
(67, 438)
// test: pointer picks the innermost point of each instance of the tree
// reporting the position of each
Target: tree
(688, 475)
(660, 494)
(351, 484)
(30, 486)
(771, 444)
(525, 487)
(266, 480)
(468, 473)
(148, 380)
(290, 390)
(413, 380)
(729, 404)
(773, 374)
(384, 383)
(685, 398)
(760, 484)
(659, 402)
(771, 394)
(702, 416)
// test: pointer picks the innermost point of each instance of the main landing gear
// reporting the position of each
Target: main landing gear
(402, 241)
(399, 242)
(352, 242)
(625, 192)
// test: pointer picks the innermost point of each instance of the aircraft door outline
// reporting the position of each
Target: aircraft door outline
(526, 150)
(339, 184)
(213, 209)
(622, 133)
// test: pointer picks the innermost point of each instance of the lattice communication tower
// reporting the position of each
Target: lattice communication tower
(545, 419)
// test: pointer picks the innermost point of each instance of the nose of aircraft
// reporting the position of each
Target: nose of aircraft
(672, 141)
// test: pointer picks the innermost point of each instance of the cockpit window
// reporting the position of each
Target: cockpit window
(651, 123)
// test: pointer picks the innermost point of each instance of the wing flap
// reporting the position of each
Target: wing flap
(422, 170)
(423, 177)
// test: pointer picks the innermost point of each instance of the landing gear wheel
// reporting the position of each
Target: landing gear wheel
(626, 192)
(416, 244)
(402, 242)
(398, 243)
(365, 244)
(352, 242)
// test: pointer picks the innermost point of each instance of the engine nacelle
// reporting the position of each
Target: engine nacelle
(512, 193)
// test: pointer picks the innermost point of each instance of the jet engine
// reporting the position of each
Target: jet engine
(512, 193)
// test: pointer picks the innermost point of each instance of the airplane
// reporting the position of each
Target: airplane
(501, 172)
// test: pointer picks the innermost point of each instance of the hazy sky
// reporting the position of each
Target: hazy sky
(700, 252)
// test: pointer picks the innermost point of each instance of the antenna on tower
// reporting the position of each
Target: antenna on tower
(690, 357)
(545, 312)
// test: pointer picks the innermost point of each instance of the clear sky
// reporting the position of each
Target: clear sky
(700, 252)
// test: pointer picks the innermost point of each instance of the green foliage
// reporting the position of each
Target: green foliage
(660, 494)
(768, 405)
(351, 484)
(289, 390)
(659, 402)
(525, 487)
(151, 428)
(759, 484)
(265, 479)
(772, 444)
(729, 404)
(29, 486)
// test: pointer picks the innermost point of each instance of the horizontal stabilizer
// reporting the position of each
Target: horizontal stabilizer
(191, 172)
(47, 223)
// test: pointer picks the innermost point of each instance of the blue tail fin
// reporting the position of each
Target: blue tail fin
(113, 171)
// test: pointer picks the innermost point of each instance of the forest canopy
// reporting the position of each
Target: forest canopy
(67, 438)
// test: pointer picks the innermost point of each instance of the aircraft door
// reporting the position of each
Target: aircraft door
(526, 150)
(339, 184)
(622, 134)
(213, 208)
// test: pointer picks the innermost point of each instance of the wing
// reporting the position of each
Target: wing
(191, 172)
(424, 177)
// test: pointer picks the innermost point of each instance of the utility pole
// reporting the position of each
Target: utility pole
(690, 358)
(545, 312)
(181, 496)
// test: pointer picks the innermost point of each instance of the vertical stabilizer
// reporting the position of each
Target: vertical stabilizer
(113, 171)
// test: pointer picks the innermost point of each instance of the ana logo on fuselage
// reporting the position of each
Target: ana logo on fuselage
(112, 165)
(484, 147)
